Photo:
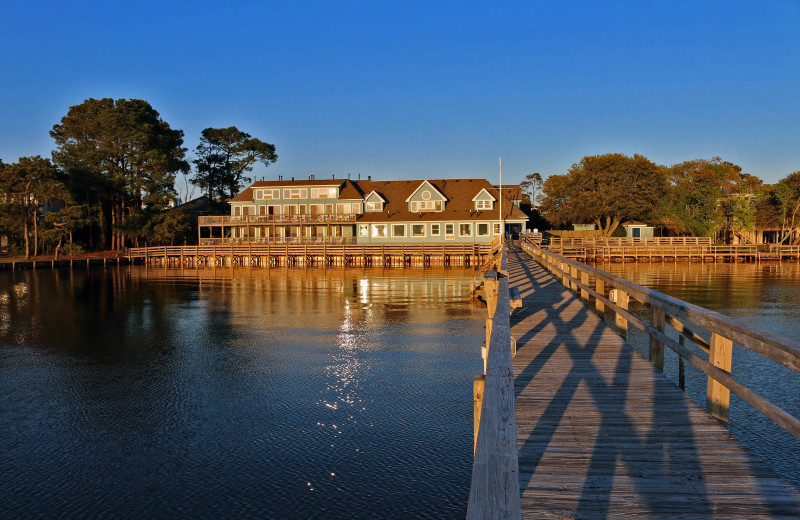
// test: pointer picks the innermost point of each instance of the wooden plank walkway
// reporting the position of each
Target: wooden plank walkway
(602, 434)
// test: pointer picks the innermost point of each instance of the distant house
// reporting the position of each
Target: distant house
(335, 211)
(636, 229)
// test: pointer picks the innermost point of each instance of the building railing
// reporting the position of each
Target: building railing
(692, 324)
(629, 241)
(277, 240)
(238, 220)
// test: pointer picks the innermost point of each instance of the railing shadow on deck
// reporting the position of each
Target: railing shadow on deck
(686, 320)
(614, 422)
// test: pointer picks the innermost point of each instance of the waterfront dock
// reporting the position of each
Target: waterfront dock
(596, 430)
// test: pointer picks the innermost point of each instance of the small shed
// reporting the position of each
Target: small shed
(636, 229)
(584, 227)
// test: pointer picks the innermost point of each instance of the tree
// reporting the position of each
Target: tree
(120, 156)
(605, 189)
(706, 196)
(530, 187)
(781, 208)
(28, 185)
(223, 157)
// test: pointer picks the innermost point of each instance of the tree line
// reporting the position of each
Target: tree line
(110, 182)
(701, 197)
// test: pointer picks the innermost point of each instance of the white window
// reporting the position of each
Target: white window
(374, 206)
(237, 210)
(316, 209)
(483, 204)
(363, 230)
(295, 193)
(357, 208)
(343, 208)
(398, 230)
(267, 194)
(426, 205)
(291, 209)
(417, 230)
(248, 210)
(497, 228)
(435, 230)
(378, 230)
(449, 231)
(483, 229)
(323, 193)
(465, 230)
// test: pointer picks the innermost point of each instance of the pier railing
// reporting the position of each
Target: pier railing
(714, 334)
(494, 491)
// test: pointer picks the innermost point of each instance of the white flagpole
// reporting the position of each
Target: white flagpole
(502, 220)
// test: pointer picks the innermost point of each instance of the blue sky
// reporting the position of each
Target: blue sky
(423, 89)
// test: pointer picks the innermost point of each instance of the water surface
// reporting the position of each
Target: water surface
(133, 393)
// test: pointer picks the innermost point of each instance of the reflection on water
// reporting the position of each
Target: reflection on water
(216, 393)
(765, 296)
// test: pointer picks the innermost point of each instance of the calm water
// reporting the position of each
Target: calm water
(133, 394)
(766, 296)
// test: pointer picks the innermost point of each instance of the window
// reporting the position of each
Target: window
(295, 193)
(290, 209)
(267, 194)
(343, 208)
(316, 209)
(417, 230)
(398, 230)
(357, 208)
(378, 230)
(483, 204)
(497, 228)
(374, 206)
(435, 230)
(426, 205)
(483, 229)
(262, 210)
(465, 230)
(363, 230)
(323, 193)
(449, 231)
(237, 210)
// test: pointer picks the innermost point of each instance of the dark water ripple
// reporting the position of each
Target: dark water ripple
(132, 394)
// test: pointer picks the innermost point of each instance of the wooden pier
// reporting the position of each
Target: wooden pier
(316, 255)
(599, 431)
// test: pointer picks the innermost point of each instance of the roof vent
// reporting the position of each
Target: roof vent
(292, 179)
(280, 177)
(369, 177)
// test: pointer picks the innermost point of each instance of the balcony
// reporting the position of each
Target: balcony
(278, 241)
(240, 220)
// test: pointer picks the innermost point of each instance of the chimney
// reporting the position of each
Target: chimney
(333, 176)
(359, 176)
(280, 177)
(369, 177)
(292, 179)
(348, 175)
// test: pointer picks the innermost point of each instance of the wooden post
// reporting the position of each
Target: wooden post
(681, 367)
(478, 384)
(600, 287)
(718, 397)
(622, 323)
(573, 271)
(656, 347)
(488, 328)
(584, 281)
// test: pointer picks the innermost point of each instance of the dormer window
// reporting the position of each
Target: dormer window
(483, 200)
(426, 198)
(374, 202)
(426, 205)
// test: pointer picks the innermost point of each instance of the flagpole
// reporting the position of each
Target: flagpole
(502, 227)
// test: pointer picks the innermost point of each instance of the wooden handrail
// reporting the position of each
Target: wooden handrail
(687, 319)
(494, 491)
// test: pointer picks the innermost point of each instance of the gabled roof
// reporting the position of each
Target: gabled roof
(432, 187)
(373, 192)
(247, 194)
(486, 192)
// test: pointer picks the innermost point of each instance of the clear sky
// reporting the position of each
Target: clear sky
(414, 89)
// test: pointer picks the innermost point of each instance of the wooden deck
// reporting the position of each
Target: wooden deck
(602, 434)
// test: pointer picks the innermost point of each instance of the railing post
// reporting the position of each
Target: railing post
(478, 384)
(718, 397)
(600, 288)
(573, 271)
(619, 320)
(656, 347)
(585, 282)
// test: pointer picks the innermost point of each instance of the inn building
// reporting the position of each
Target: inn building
(344, 211)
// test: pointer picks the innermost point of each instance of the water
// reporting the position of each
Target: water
(764, 296)
(127, 393)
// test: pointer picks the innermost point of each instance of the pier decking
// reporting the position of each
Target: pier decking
(601, 433)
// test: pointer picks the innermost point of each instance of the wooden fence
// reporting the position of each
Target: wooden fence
(692, 325)
(494, 490)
